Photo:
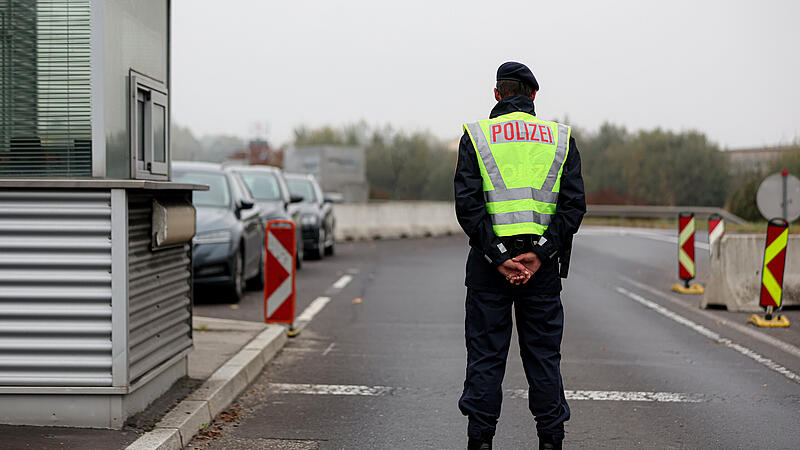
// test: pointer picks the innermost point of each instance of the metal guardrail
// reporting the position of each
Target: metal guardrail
(659, 212)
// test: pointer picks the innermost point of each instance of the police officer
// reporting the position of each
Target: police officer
(519, 197)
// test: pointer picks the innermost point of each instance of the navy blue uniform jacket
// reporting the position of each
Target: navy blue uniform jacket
(471, 212)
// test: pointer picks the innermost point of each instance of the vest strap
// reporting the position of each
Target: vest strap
(521, 217)
(486, 155)
(523, 193)
(558, 161)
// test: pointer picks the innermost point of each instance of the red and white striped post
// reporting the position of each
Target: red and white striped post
(772, 275)
(686, 266)
(279, 273)
(716, 229)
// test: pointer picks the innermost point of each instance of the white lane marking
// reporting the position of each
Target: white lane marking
(328, 350)
(752, 332)
(619, 396)
(316, 306)
(376, 391)
(653, 236)
(312, 309)
(766, 362)
(342, 282)
(329, 389)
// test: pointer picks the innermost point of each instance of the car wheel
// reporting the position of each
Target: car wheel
(236, 288)
(300, 254)
(319, 251)
(257, 282)
(329, 249)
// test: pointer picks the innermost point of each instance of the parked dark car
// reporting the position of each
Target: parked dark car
(229, 244)
(316, 215)
(268, 187)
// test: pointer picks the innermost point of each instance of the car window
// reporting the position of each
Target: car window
(263, 186)
(239, 189)
(300, 186)
(217, 194)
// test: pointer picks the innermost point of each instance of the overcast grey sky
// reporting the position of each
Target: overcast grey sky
(728, 68)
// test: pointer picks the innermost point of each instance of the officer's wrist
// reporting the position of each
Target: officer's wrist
(544, 253)
(498, 260)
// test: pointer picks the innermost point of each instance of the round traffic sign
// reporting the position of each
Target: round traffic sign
(769, 197)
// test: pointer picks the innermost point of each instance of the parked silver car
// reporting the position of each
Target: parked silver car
(316, 215)
(229, 244)
(268, 187)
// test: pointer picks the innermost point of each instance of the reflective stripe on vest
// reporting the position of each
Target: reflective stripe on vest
(520, 209)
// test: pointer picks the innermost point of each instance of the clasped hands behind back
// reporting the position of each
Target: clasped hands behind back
(519, 269)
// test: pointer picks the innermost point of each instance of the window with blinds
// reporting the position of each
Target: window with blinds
(45, 88)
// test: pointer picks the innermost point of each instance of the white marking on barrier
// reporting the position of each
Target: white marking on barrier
(342, 282)
(619, 396)
(312, 309)
(766, 362)
(715, 234)
(377, 391)
(328, 350)
(329, 389)
(278, 296)
(752, 332)
(280, 253)
(285, 259)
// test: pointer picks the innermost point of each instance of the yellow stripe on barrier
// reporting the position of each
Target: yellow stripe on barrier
(767, 278)
(686, 233)
(772, 286)
(776, 246)
(686, 261)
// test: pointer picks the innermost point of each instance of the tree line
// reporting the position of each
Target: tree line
(645, 167)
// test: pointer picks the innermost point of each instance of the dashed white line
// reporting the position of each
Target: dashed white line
(329, 389)
(328, 350)
(312, 309)
(377, 391)
(342, 282)
(766, 362)
(771, 340)
(318, 303)
(619, 396)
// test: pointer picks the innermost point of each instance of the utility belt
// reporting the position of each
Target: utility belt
(520, 243)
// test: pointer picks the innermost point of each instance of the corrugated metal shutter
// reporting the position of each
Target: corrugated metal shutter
(45, 88)
(159, 288)
(55, 288)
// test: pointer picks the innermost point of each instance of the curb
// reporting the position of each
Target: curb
(179, 426)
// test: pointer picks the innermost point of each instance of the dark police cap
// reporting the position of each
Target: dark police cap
(517, 71)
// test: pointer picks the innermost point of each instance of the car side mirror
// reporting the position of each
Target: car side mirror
(296, 199)
(246, 204)
(333, 197)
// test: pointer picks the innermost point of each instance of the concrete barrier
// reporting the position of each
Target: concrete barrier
(396, 219)
(735, 279)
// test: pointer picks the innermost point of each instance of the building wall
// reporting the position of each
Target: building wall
(55, 288)
(135, 36)
(756, 159)
(337, 168)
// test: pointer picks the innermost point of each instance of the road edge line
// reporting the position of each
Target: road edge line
(714, 336)
(179, 426)
(784, 346)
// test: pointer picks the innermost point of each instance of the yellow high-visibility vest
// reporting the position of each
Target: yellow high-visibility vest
(520, 159)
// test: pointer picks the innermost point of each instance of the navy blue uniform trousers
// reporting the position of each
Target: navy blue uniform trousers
(540, 323)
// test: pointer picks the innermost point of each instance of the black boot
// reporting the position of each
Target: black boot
(477, 444)
(549, 445)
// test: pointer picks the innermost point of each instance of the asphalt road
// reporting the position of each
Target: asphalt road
(382, 364)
